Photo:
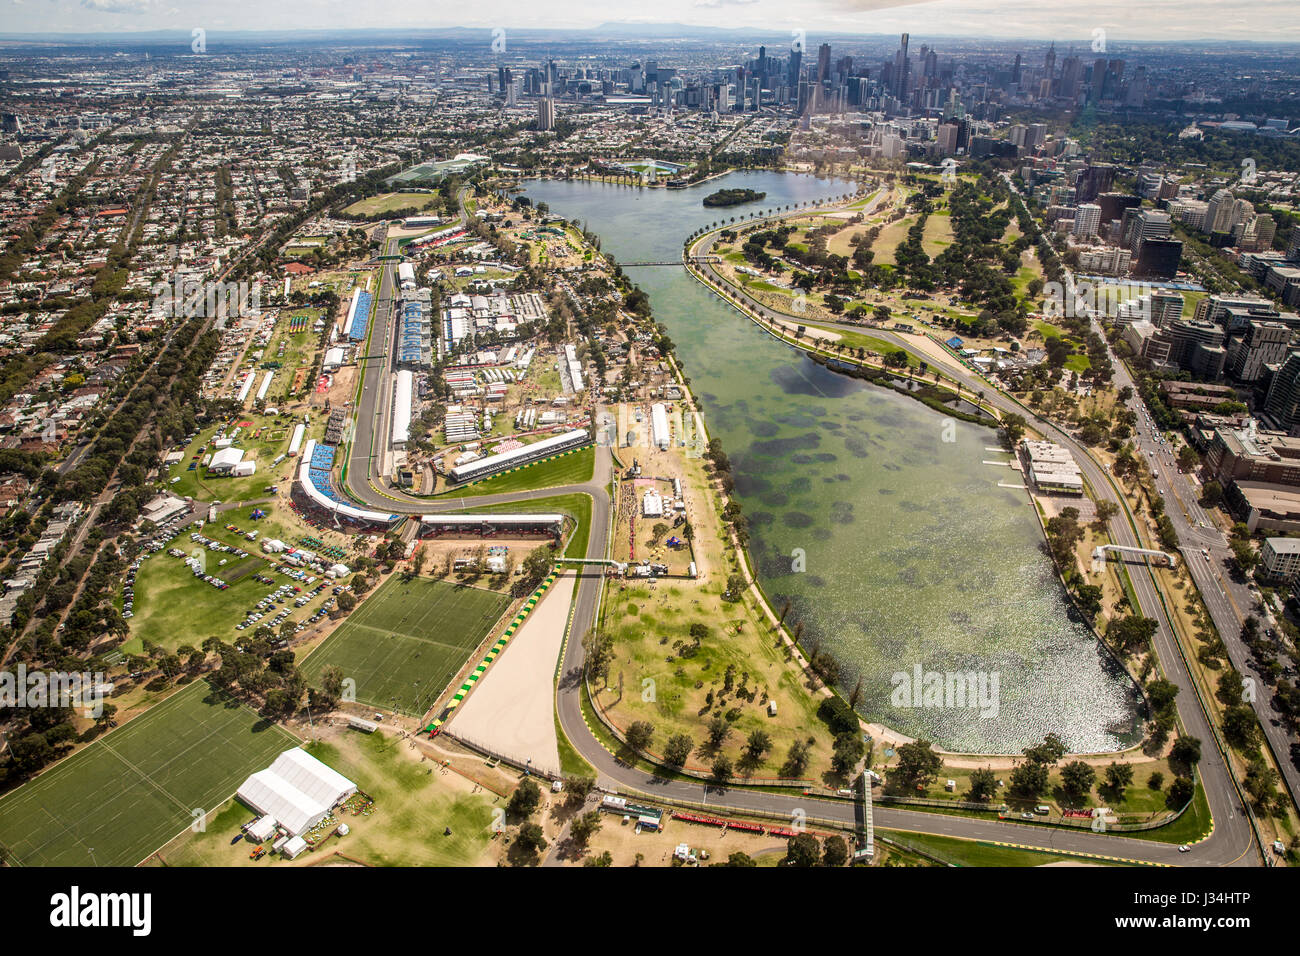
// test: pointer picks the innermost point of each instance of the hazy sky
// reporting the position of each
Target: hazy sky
(1068, 21)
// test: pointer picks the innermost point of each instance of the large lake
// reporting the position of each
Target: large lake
(912, 555)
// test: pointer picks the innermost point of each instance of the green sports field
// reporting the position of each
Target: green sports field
(124, 796)
(407, 641)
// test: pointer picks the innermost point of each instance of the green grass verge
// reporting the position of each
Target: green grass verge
(959, 852)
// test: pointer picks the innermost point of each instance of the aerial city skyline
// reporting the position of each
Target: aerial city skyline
(827, 435)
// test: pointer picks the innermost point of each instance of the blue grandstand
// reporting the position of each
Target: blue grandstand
(322, 460)
(361, 320)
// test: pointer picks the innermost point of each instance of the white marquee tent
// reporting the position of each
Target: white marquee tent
(297, 790)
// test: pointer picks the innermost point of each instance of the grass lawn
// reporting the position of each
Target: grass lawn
(386, 202)
(574, 468)
(890, 236)
(858, 340)
(118, 800)
(173, 607)
(407, 641)
(937, 233)
(1025, 275)
(865, 201)
(276, 432)
(961, 852)
(414, 805)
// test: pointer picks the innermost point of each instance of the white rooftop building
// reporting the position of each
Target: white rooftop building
(297, 790)
(226, 460)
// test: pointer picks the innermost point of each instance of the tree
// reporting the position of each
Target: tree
(1240, 727)
(757, 745)
(525, 800)
(599, 651)
(721, 769)
(918, 764)
(802, 849)
(531, 839)
(796, 761)
(535, 567)
(1162, 693)
(1186, 751)
(639, 735)
(738, 859)
(1131, 634)
(1013, 429)
(719, 730)
(1119, 776)
(604, 859)
(847, 751)
(579, 788)
(585, 827)
(678, 749)
(835, 852)
(1244, 555)
(1048, 752)
(1180, 791)
(983, 784)
(1105, 511)
(1077, 778)
(1028, 779)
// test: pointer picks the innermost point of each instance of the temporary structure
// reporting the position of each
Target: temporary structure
(297, 790)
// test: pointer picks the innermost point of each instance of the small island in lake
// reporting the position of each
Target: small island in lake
(733, 197)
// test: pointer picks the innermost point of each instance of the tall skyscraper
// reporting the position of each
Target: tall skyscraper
(1071, 77)
(1087, 217)
(546, 112)
(901, 69)
(1283, 402)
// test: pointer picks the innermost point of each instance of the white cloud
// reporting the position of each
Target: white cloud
(120, 6)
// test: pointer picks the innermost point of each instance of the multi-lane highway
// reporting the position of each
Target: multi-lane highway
(1230, 844)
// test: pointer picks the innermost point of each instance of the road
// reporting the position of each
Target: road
(1231, 843)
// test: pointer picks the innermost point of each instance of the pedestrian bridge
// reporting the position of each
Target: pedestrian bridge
(617, 565)
(1099, 553)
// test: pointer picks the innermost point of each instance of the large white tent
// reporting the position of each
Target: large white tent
(226, 460)
(297, 790)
